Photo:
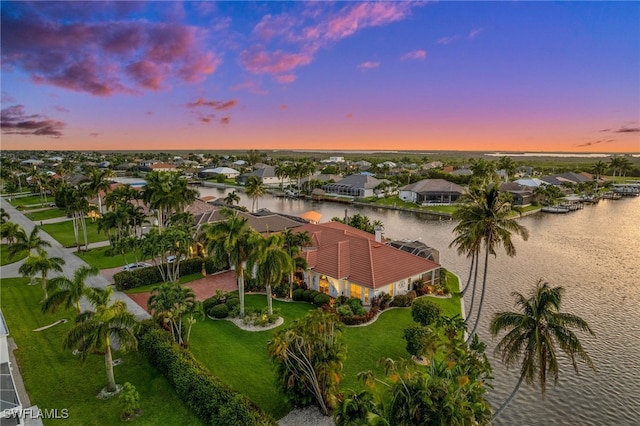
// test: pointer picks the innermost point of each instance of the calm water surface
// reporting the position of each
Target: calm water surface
(594, 254)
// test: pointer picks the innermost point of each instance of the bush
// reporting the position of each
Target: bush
(219, 311)
(131, 279)
(382, 301)
(129, 400)
(425, 312)
(404, 300)
(321, 299)
(356, 306)
(297, 295)
(309, 295)
(344, 311)
(212, 401)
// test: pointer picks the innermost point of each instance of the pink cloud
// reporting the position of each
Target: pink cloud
(105, 58)
(416, 54)
(283, 107)
(475, 33)
(250, 86)
(263, 62)
(448, 40)
(369, 65)
(285, 78)
(363, 15)
(216, 105)
(15, 121)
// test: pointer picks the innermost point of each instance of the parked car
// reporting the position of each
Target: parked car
(134, 266)
(172, 258)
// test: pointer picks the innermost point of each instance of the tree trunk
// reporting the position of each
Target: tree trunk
(108, 363)
(484, 287)
(240, 289)
(44, 286)
(473, 291)
(473, 261)
(269, 301)
(513, 394)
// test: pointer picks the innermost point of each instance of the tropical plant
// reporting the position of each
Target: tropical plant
(270, 261)
(98, 183)
(599, 169)
(4, 216)
(293, 243)
(159, 247)
(534, 334)
(169, 303)
(31, 243)
(255, 189)
(43, 264)
(422, 342)
(486, 218)
(308, 357)
(94, 330)
(9, 231)
(232, 198)
(227, 242)
(68, 291)
(129, 400)
(166, 193)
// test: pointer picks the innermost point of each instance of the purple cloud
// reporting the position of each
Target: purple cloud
(414, 55)
(368, 65)
(106, 57)
(15, 121)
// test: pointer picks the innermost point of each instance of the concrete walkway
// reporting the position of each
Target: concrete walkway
(72, 262)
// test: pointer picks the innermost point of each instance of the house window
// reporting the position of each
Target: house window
(324, 285)
(391, 290)
(355, 291)
(366, 296)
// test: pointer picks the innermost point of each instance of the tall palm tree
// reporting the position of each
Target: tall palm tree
(31, 243)
(255, 189)
(293, 243)
(68, 291)
(624, 165)
(99, 182)
(487, 219)
(94, 330)
(270, 261)
(614, 164)
(534, 334)
(43, 264)
(9, 231)
(170, 302)
(228, 241)
(166, 193)
(599, 169)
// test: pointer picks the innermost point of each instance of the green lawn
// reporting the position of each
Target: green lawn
(4, 255)
(63, 233)
(46, 214)
(31, 199)
(226, 350)
(99, 258)
(397, 202)
(148, 288)
(54, 378)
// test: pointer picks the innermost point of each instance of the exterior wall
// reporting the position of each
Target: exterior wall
(408, 196)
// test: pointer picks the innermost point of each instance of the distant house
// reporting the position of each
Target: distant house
(462, 172)
(32, 162)
(226, 171)
(522, 195)
(344, 261)
(263, 221)
(163, 167)
(147, 163)
(569, 177)
(355, 186)
(431, 191)
(333, 160)
(531, 182)
(266, 174)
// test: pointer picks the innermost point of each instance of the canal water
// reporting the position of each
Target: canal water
(593, 253)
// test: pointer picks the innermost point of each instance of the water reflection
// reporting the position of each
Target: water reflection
(593, 253)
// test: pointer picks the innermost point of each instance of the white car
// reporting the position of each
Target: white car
(134, 266)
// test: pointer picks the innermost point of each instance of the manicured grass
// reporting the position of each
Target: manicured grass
(46, 214)
(148, 288)
(63, 233)
(5, 259)
(227, 350)
(54, 378)
(240, 357)
(32, 199)
(397, 202)
(100, 258)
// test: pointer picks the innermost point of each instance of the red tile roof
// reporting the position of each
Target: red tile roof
(343, 252)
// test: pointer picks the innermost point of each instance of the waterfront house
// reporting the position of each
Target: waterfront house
(522, 195)
(267, 175)
(345, 261)
(428, 191)
(355, 186)
(228, 172)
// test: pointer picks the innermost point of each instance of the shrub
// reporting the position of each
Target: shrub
(420, 340)
(297, 294)
(131, 279)
(129, 400)
(308, 295)
(344, 311)
(219, 311)
(404, 300)
(356, 306)
(321, 299)
(204, 394)
(381, 301)
(232, 302)
(425, 312)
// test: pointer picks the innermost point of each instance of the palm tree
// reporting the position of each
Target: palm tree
(255, 189)
(4, 216)
(9, 231)
(508, 165)
(169, 302)
(99, 182)
(614, 164)
(93, 331)
(68, 291)
(270, 260)
(293, 242)
(624, 165)
(41, 263)
(228, 241)
(533, 335)
(166, 193)
(599, 169)
(487, 219)
(232, 198)
(30, 243)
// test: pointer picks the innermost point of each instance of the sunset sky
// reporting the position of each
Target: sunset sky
(500, 76)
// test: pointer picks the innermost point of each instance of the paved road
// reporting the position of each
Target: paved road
(72, 262)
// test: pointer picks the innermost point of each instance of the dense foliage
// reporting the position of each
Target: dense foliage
(131, 279)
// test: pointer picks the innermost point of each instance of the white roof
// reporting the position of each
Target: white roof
(531, 182)
(221, 170)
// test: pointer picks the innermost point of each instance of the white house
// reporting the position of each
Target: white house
(10, 400)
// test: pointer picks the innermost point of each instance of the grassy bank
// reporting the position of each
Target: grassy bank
(54, 378)
(5, 259)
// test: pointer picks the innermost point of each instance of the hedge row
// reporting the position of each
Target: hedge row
(131, 279)
(204, 394)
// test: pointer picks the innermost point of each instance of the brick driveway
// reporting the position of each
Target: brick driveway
(203, 288)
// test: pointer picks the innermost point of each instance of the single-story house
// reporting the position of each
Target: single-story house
(431, 191)
(355, 186)
(263, 221)
(522, 195)
(266, 174)
(345, 261)
(228, 172)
